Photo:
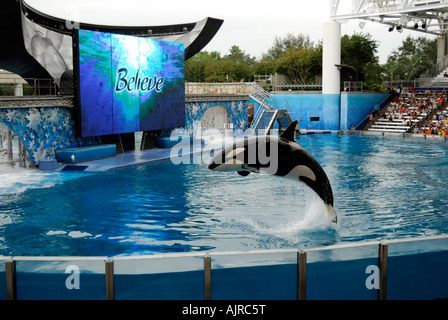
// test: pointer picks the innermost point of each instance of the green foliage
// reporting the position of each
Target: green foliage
(301, 63)
(411, 59)
(6, 90)
(291, 41)
(357, 51)
(211, 67)
(373, 86)
(301, 59)
(411, 46)
(266, 65)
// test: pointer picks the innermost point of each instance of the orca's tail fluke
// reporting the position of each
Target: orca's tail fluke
(331, 213)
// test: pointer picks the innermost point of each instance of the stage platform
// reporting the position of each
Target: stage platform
(122, 160)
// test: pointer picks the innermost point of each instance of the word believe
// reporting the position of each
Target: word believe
(137, 82)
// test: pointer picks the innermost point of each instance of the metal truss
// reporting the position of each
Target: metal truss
(427, 16)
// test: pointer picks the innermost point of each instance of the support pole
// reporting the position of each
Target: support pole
(207, 277)
(110, 285)
(9, 146)
(441, 47)
(301, 275)
(331, 82)
(382, 264)
(11, 284)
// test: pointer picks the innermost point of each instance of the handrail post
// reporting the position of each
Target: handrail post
(301, 275)
(11, 280)
(207, 277)
(110, 285)
(382, 264)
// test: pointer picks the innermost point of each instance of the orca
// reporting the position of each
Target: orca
(277, 155)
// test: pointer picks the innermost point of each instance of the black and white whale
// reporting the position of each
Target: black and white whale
(280, 156)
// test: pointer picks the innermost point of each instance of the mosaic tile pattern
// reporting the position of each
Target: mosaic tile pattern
(238, 110)
(44, 130)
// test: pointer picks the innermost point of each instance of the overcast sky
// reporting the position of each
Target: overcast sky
(250, 24)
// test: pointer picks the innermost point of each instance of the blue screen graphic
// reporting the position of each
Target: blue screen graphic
(129, 84)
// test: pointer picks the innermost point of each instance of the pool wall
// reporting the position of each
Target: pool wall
(46, 129)
(317, 111)
(356, 106)
(396, 269)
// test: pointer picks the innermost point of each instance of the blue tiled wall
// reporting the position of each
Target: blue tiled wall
(329, 111)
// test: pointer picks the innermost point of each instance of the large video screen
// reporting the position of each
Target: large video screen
(129, 84)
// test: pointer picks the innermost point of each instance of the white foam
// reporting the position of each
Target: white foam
(316, 215)
(309, 214)
(57, 232)
(18, 180)
(79, 234)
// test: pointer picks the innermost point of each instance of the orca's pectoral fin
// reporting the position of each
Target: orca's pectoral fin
(243, 173)
(288, 134)
(249, 169)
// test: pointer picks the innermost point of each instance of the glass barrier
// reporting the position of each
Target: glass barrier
(41, 278)
(258, 276)
(407, 269)
(3, 277)
(343, 272)
(159, 277)
(417, 269)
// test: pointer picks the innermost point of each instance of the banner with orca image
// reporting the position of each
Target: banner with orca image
(129, 84)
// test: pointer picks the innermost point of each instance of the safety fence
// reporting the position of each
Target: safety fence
(14, 86)
(413, 268)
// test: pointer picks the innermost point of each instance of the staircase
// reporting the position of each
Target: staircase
(440, 80)
(266, 121)
(268, 112)
(434, 77)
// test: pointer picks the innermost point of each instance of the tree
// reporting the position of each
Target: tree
(196, 68)
(411, 46)
(408, 67)
(239, 56)
(411, 59)
(290, 41)
(302, 64)
(359, 51)
(211, 67)
(266, 65)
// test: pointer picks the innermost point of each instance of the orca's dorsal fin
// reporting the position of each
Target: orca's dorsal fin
(288, 134)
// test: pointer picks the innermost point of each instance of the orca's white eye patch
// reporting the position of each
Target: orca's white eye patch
(302, 171)
(232, 154)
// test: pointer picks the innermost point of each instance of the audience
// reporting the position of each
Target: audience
(409, 108)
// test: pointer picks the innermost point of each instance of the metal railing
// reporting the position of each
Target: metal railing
(356, 251)
(431, 83)
(436, 69)
(364, 121)
(14, 86)
(264, 78)
(298, 87)
(225, 88)
(352, 86)
(264, 99)
(418, 83)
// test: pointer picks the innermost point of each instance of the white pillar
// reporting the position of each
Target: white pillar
(331, 56)
(18, 89)
(441, 47)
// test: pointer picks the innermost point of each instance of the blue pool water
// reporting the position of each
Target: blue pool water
(384, 188)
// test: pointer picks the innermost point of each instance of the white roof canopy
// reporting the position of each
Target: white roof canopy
(427, 16)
